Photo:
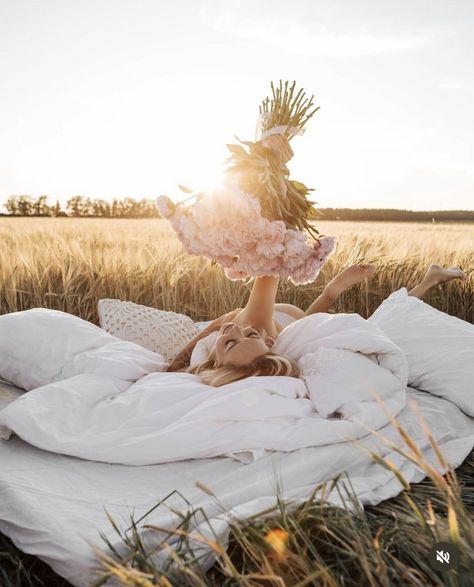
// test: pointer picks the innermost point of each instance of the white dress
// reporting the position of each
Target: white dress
(283, 318)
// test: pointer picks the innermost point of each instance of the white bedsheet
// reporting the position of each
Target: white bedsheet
(52, 505)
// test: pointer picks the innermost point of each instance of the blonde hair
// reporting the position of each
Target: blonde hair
(268, 364)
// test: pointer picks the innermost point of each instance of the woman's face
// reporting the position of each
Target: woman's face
(240, 346)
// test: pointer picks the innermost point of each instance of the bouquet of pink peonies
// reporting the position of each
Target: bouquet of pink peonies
(259, 223)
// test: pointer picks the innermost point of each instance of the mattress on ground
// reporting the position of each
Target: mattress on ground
(53, 506)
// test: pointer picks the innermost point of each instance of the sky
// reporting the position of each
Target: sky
(117, 98)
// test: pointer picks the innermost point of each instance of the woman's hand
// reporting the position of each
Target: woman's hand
(178, 363)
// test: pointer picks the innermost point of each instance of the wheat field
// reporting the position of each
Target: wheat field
(68, 264)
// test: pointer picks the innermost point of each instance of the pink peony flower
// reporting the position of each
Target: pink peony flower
(227, 226)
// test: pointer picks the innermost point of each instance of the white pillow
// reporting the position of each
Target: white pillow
(439, 347)
(39, 346)
(165, 333)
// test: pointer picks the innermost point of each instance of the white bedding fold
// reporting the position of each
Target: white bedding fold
(439, 347)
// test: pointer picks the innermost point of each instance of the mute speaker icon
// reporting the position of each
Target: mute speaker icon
(442, 557)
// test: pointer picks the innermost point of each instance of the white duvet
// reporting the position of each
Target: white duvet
(99, 398)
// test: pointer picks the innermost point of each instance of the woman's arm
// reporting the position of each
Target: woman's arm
(323, 303)
(261, 303)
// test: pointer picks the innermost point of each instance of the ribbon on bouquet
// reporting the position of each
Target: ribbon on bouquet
(261, 135)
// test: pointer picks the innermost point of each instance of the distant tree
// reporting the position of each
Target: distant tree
(128, 204)
(57, 211)
(118, 208)
(12, 206)
(41, 207)
(148, 209)
(101, 208)
(26, 206)
(79, 206)
(74, 206)
(88, 208)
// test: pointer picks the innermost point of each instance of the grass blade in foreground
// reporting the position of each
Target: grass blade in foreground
(319, 544)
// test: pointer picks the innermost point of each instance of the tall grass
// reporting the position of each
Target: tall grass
(68, 264)
(319, 544)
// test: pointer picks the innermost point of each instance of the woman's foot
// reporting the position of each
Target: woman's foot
(434, 276)
(348, 278)
(437, 274)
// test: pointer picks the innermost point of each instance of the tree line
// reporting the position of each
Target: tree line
(81, 206)
(389, 214)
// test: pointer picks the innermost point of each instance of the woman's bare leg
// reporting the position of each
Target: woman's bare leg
(341, 283)
(434, 276)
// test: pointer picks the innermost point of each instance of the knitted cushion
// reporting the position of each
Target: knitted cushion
(163, 332)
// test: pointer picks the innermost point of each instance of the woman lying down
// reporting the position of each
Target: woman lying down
(238, 344)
